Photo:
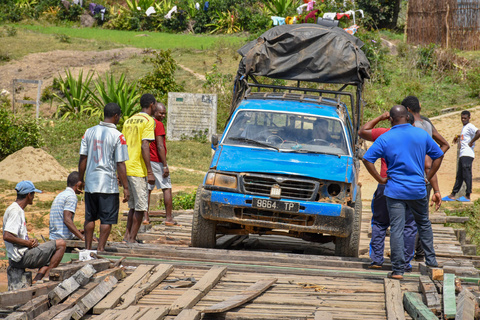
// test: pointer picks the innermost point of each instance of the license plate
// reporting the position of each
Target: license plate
(276, 205)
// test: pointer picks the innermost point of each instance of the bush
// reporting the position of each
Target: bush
(75, 95)
(161, 80)
(376, 55)
(473, 82)
(221, 84)
(17, 133)
(426, 57)
(71, 14)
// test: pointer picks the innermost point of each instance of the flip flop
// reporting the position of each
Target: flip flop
(463, 199)
(447, 198)
(145, 222)
(171, 224)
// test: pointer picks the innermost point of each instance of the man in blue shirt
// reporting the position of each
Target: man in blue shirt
(404, 148)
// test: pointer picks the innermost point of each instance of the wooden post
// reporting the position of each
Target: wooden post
(415, 307)
(449, 302)
(393, 300)
(430, 293)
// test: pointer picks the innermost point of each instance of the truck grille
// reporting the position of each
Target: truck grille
(291, 188)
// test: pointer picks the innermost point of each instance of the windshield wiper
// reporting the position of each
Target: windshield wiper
(258, 143)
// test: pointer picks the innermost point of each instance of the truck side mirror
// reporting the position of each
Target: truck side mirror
(214, 141)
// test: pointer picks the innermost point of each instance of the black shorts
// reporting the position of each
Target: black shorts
(103, 206)
(36, 257)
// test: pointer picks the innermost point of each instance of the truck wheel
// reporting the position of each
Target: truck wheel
(203, 230)
(348, 247)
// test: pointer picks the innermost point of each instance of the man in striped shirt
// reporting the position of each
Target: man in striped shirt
(63, 211)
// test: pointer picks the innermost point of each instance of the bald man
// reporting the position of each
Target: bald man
(404, 148)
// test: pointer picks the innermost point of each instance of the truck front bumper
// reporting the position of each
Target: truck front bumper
(313, 217)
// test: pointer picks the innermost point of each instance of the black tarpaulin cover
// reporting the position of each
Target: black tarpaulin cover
(306, 52)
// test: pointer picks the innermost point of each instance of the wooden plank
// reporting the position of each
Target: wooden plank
(67, 304)
(469, 249)
(141, 288)
(157, 313)
(64, 315)
(199, 290)
(393, 299)
(433, 273)
(252, 292)
(68, 286)
(131, 313)
(22, 296)
(91, 299)
(17, 316)
(323, 315)
(188, 314)
(66, 271)
(449, 303)
(415, 307)
(35, 307)
(117, 272)
(112, 299)
(430, 294)
(465, 305)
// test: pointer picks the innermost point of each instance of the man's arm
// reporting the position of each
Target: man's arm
(475, 138)
(442, 143)
(82, 166)
(122, 176)
(373, 171)
(68, 220)
(365, 131)
(10, 237)
(146, 159)
(430, 177)
(162, 154)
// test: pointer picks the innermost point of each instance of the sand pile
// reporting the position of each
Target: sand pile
(31, 164)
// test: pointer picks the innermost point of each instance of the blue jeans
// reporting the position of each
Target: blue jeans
(380, 224)
(397, 209)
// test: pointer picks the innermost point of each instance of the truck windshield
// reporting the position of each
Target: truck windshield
(287, 132)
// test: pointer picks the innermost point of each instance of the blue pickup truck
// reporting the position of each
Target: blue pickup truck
(286, 163)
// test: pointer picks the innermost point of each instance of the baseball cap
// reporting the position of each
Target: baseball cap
(26, 187)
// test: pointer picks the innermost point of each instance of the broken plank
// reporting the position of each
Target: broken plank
(112, 299)
(465, 306)
(22, 296)
(250, 293)
(117, 272)
(323, 315)
(199, 290)
(449, 303)
(188, 314)
(430, 294)
(67, 304)
(158, 274)
(68, 286)
(416, 308)
(393, 300)
(35, 307)
(91, 299)
(157, 313)
(66, 271)
(433, 273)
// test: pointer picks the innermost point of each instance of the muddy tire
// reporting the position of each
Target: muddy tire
(349, 246)
(203, 230)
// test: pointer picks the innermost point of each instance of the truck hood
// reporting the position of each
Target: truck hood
(319, 166)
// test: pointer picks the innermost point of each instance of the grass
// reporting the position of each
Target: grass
(153, 40)
(472, 225)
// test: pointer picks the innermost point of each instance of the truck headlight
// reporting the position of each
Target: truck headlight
(221, 180)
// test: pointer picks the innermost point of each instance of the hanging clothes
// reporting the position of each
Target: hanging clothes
(352, 29)
(310, 5)
(150, 11)
(278, 21)
(310, 15)
(168, 16)
(329, 15)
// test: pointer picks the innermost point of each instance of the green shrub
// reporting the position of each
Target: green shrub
(281, 8)
(221, 84)
(17, 133)
(376, 55)
(71, 14)
(473, 82)
(161, 80)
(426, 57)
(11, 31)
(181, 201)
(122, 93)
(75, 95)
(63, 38)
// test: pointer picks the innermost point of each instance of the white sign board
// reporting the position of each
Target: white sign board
(191, 114)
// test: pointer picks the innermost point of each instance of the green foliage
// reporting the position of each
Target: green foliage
(472, 225)
(221, 84)
(473, 82)
(122, 93)
(225, 22)
(281, 7)
(162, 78)
(5, 56)
(252, 19)
(17, 133)
(197, 135)
(382, 14)
(182, 201)
(426, 57)
(75, 94)
(376, 54)
(63, 38)
(71, 14)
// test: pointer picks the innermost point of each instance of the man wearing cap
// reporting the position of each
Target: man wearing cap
(23, 252)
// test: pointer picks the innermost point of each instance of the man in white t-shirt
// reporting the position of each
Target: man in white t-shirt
(469, 135)
(23, 252)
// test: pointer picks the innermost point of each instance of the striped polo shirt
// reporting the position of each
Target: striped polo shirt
(66, 200)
